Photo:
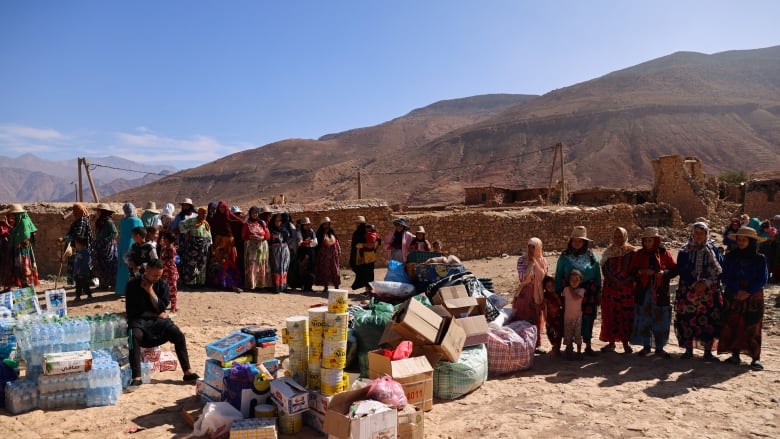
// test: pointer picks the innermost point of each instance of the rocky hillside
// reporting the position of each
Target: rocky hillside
(722, 108)
(325, 169)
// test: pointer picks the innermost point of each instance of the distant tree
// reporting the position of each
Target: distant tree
(733, 177)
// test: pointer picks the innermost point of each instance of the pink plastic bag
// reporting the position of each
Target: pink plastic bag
(388, 391)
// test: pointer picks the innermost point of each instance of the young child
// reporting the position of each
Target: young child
(553, 314)
(81, 267)
(140, 253)
(368, 249)
(437, 247)
(170, 272)
(572, 313)
(152, 235)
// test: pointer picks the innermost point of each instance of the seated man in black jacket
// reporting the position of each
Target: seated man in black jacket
(147, 298)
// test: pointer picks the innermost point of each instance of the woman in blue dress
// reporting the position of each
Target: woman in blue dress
(126, 225)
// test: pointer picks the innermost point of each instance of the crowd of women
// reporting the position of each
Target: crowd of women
(718, 304)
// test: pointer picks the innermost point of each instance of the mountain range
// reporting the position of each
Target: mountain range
(31, 178)
(722, 108)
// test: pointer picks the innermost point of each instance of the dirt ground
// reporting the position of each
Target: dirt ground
(611, 395)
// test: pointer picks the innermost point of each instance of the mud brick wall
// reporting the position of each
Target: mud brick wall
(675, 178)
(467, 233)
(48, 218)
(762, 199)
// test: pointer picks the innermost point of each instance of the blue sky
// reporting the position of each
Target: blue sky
(187, 82)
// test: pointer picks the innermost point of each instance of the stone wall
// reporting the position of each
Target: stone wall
(762, 198)
(680, 182)
(466, 232)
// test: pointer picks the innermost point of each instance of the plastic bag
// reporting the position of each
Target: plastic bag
(392, 289)
(369, 325)
(396, 272)
(216, 419)
(388, 391)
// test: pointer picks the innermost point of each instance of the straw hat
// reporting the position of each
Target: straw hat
(650, 232)
(580, 232)
(187, 201)
(305, 220)
(17, 208)
(748, 233)
(264, 210)
(106, 207)
(325, 220)
(420, 229)
(151, 206)
(360, 219)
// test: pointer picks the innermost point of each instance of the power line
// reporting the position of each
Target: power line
(465, 166)
(92, 167)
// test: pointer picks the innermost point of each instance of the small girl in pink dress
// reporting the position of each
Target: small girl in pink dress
(572, 313)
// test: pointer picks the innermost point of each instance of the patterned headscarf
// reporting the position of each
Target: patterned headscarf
(168, 210)
(705, 264)
(618, 251)
(129, 210)
(537, 266)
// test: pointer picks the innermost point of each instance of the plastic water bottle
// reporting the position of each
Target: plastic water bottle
(146, 372)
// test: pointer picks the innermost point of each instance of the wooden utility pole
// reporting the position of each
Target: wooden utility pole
(558, 147)
(360, 187)
(82, 161)
(79, 194)
(92, 184)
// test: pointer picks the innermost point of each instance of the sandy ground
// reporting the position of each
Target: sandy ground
(611, 395)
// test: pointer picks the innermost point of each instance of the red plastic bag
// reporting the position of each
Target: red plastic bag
(404, 350)
(388, 391)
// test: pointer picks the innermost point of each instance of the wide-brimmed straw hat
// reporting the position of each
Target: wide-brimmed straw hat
(16, 208)
(305, 220)
(748, 233)
(187, 201)
(106, 207)
(151, 206)
(650, 232)
(580, 232)
(360, 219)
(325, 220)
(420, 229)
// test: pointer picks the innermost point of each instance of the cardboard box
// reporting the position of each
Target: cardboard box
(289, 395)
(67, 362)
(167, 362)
(204, 390)
(476, 329)
(229, 347)
(150, 355)
(450, 341)
(382, 425)
(415, 375)
(415, 322)
(411, 423)
(481, 308)
(264, 351)
(253, 428)
(456, 300)
(251, 398)
(319, 402)
(315, 421)
(214, 373)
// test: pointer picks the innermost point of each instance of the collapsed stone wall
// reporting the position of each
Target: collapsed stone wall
(681, 183)
(762, 198)
(467, 233)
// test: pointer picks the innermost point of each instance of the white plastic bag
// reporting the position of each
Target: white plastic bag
(216, 419)
(392, 289)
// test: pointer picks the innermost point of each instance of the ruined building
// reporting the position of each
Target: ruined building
(681, 183)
